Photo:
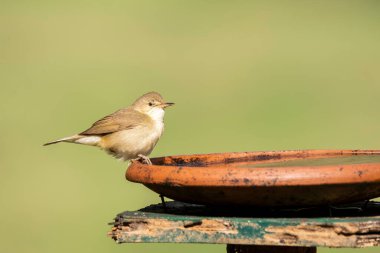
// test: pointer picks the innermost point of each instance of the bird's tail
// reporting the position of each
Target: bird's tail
(66, 139)
(91, 140)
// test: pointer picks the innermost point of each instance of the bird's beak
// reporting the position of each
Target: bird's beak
(167, 104)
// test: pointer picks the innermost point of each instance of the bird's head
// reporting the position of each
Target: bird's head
(152, 104)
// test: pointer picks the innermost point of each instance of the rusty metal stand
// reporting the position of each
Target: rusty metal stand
(162, 197)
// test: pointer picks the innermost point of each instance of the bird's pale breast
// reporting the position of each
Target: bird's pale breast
(128, 144)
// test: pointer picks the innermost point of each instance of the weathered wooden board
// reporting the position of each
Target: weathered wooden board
(185, 223)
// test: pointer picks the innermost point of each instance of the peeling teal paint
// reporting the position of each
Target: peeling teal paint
(183, 228)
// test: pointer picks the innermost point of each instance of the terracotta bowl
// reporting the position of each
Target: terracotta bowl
(268, 179)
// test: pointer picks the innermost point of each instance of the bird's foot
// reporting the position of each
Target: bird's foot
(144, 159)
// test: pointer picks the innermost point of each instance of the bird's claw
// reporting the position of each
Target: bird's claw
(144, 159)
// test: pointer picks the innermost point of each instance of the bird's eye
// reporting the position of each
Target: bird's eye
(150, 104)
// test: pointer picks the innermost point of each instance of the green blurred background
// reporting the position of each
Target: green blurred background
(246, 75)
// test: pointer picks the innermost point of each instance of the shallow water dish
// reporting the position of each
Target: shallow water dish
(276, 178)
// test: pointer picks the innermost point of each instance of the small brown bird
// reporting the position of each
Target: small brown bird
(129, 133)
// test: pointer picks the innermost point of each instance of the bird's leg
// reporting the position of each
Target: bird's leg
(144, 159)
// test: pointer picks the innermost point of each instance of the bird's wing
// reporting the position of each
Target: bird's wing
(120, 120)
